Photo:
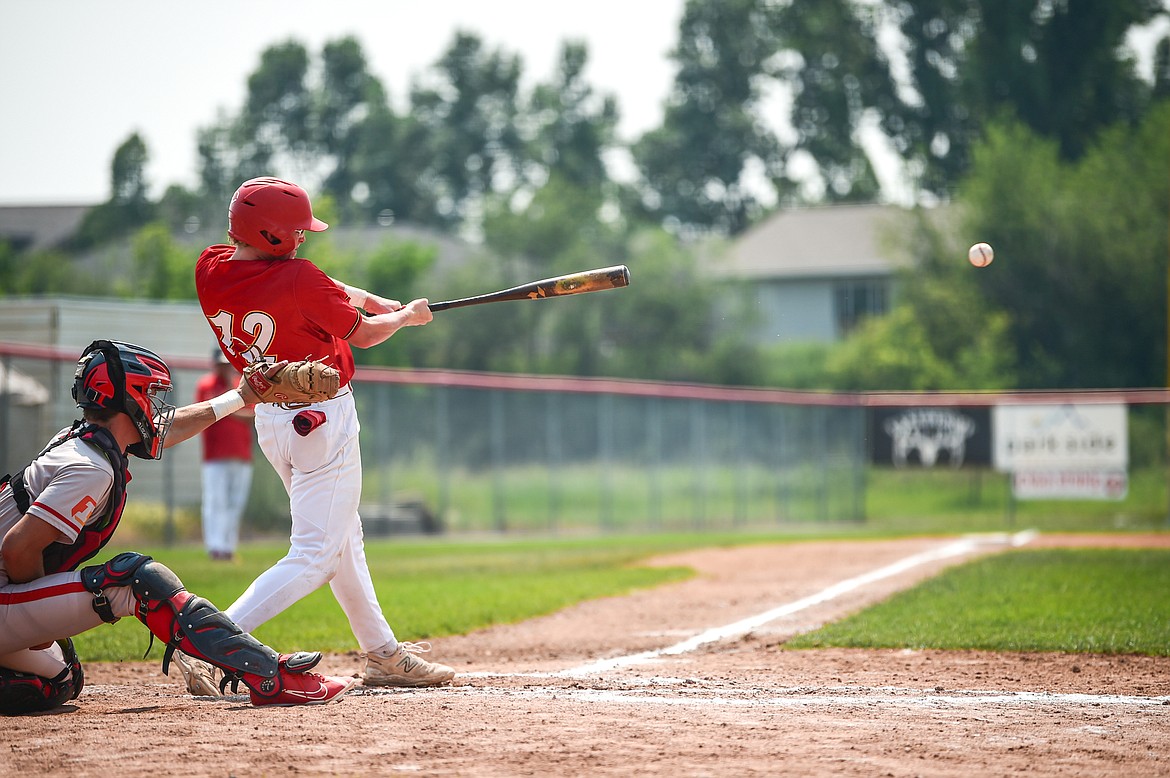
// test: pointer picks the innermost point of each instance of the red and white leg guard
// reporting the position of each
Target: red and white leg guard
(194, 626)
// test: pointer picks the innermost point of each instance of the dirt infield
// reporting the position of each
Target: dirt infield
(689, 679)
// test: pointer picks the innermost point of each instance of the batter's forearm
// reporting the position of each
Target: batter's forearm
(373, 330)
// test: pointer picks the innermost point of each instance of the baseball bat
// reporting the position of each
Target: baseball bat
(576, 283)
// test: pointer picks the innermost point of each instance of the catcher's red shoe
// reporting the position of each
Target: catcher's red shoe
(295, 685)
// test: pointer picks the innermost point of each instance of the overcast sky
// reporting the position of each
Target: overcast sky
(77, 77)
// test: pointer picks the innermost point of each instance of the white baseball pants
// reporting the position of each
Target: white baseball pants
(322, 473)
(226, 483)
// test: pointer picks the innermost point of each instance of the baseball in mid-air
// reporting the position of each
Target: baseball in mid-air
(980, 255)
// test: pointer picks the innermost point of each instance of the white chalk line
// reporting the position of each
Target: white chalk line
(684, 691)
(790, 697)
(744, 626)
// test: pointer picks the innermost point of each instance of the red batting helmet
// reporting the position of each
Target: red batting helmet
(130, 379)
(266, 213)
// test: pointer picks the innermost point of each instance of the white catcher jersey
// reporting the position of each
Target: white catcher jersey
(68, 488)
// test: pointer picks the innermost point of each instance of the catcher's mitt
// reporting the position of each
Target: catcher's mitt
(295, 383)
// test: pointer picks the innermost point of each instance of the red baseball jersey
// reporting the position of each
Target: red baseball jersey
(274, 309)
(231, 436)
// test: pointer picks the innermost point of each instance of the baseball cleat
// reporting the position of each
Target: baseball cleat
(406, 668)
(202, 678)
(299, 686)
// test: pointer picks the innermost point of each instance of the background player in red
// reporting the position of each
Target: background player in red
(227, 463)
(60, 510)
(266, 304)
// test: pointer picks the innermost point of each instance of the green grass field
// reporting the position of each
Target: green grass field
(1110, 601)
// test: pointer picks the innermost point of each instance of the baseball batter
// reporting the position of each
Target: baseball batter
(265, 304)
(61, 510)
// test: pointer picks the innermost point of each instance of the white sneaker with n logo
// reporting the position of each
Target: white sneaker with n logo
(405, 668)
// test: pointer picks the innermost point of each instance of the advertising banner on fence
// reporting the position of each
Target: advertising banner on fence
(1060, 437)
(930, 436)
(1070, 484)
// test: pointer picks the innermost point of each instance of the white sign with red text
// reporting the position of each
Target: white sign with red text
(1070, 484)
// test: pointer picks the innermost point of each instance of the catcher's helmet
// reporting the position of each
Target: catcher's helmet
(266, 213)
(127, 378)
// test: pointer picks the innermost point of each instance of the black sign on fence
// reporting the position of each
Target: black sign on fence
(927, 437)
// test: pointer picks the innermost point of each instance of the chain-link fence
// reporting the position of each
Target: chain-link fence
(592, 455)
(469, 452)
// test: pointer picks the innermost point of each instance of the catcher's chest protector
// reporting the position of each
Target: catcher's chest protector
(62, 557)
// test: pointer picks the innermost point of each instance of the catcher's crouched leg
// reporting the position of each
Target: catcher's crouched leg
(197, 628)
(27, 693)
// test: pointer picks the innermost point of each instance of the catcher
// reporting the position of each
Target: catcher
(60, 511)
(266, 304)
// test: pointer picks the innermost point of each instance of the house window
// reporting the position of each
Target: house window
(855, 300)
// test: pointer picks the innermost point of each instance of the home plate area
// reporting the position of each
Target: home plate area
(686, 679)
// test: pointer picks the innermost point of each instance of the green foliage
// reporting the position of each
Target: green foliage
(396, 269)
(41, 272)
(560, 216)
(837, 75)
(1075, 238)
(161, 269)
(571, 127)
(469, 113)
(1058, 68)
(129, 206)
(693, 167)
(658, 328)
(938, 338)
(796, 365)
(1082, 601)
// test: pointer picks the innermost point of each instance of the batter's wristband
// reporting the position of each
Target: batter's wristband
(226, 404)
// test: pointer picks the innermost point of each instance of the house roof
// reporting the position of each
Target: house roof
(822, 241)
(38, 227)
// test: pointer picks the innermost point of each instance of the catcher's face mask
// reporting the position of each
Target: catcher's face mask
(130, 379)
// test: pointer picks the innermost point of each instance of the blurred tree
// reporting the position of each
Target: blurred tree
(396, 269)
(649, 330)
(278, 116)
(484, 338)
(1162, 69)
(572, 127)
(1081, 251)
(1058, 67)
(467, 114)
(695, 168)
(565, 184)
(184, 211)
(837, 74)
(559, 216)
(129, 205)
(941, 335)
(161, 269)
(373, 172)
